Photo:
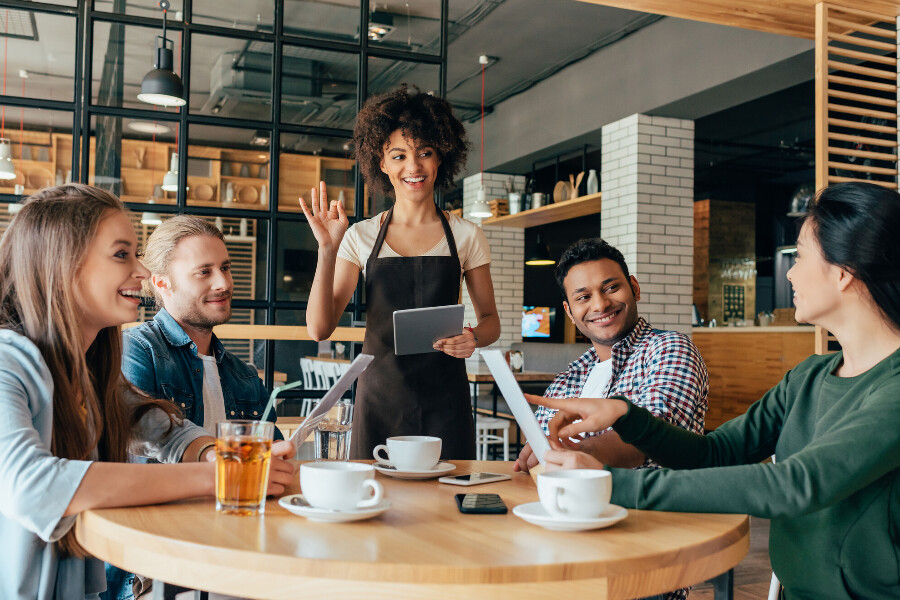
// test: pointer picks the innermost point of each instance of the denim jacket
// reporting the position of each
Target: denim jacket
(160, 359)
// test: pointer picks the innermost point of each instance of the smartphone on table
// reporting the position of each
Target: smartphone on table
(480, 504)
(474, 478)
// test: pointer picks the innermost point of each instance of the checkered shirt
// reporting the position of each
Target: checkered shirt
(661, 371)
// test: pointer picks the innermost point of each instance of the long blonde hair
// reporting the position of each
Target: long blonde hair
(41, 255)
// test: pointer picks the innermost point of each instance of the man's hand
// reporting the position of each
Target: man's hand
(570, 459)
(281, 471)
(526, 461)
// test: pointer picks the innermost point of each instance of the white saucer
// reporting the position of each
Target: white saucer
(536, 514)
(442, 468)
(327, 515)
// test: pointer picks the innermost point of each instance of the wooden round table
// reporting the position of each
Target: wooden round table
(421, 548)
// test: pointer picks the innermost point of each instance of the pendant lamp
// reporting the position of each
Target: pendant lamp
(170, 180)
(162, 86)
(150, 218)
(7, 171)
(539, 255)
(481, 209)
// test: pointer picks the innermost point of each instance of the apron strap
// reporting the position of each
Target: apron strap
(382, 232)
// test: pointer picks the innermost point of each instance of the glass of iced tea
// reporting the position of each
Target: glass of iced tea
(243, 456)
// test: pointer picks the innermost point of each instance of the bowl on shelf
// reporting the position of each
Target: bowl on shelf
(39, 178)
(248, 194)
(204, 192)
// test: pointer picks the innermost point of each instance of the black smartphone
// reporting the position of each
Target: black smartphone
(480, 504)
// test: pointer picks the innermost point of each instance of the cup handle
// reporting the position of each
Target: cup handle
(556, 494)
(382, 459)
(377, 493)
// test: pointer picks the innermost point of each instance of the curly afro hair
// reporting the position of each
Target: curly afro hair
(421, 117)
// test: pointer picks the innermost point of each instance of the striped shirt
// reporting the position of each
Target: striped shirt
(661, 371)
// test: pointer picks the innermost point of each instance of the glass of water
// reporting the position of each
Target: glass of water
(333, 433)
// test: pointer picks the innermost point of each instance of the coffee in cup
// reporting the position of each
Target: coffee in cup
(410, 452)
(340, 485)
(576, 494)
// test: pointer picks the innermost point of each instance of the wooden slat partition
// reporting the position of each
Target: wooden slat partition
(856, 80)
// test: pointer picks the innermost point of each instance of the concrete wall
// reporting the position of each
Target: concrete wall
(658, 66)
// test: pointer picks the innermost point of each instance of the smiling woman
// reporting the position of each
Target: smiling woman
(411, 256)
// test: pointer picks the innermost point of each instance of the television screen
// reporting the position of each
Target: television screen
(537, 320)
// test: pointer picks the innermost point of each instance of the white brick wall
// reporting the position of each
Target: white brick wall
(647, 180)
(507, 258)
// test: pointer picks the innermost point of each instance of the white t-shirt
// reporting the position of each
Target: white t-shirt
(598, 380)
(213, 400)
(471, 244)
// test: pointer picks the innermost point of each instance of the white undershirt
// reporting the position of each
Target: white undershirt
(213, 400)
(598, 380)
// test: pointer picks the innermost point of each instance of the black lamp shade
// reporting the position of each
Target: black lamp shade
(539, 255)
(162, 86)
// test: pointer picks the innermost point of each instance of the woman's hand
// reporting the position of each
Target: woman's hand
(458, 346)
(570, 459)
(328, 223)
(281, 472)
(581, 415)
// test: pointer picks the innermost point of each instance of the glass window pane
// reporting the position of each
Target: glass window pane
(228, 167)
(142, 9)
(318, 87)
(256, 15)
(122, 56)
(409, 26)
(41, 54)
(247, 243)
(305, 160)
(289, 353)
(327, 20)
(296, 261)
(40, 147)
(231, 77)
(386, 74)
(131, 158)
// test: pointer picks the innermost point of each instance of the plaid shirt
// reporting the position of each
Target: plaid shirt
(661, 371)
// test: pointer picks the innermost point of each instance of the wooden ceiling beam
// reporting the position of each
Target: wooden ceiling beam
(795, 18)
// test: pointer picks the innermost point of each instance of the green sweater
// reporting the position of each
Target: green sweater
(833, 496)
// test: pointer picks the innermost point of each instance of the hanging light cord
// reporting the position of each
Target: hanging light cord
(482, 118)
(5, 55)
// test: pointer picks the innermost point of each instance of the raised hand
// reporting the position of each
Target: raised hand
(328, 222)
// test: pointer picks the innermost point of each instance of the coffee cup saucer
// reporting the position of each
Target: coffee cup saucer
(536, 514)
(442, 468)
(298, 505)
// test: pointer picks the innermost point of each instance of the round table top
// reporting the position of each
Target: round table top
(421, 548)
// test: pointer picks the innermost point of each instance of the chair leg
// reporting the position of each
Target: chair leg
(723, 585)
(506, 445)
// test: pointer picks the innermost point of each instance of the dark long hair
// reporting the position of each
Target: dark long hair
(41, 254)
(857, 226)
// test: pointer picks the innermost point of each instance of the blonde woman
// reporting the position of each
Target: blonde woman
(69, 276)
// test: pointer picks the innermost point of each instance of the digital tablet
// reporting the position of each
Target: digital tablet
(516, 401)
(417, 329)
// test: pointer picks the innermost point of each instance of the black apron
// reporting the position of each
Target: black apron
(416, 394)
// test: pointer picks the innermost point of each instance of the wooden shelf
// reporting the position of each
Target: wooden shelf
(251, 180)
(558, 211)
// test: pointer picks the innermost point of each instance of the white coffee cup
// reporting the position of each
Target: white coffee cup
(410, 452)
(577, 494)
(340, 485)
